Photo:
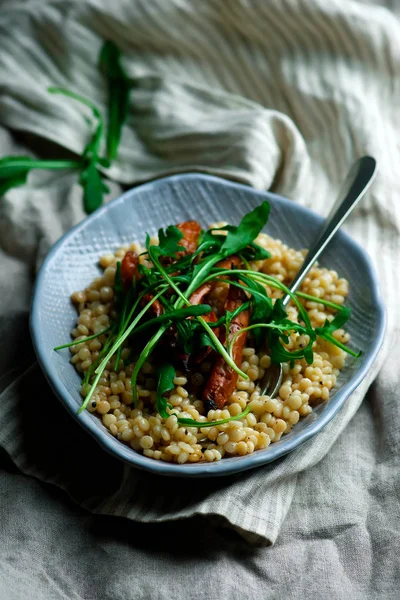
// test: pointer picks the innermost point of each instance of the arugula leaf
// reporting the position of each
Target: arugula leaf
(229, 316)
(277, 352)
(148, 277)
(168, 241)
(210, 242)
(244, 234)
(14, 166)
(329, 327)
(278, 313)
(214, 247)
(340, 319)
(261, 307)
(118, 94)
(237, 239)
(14, 170)
(166, 375)
(90, 178)
(254, 252)
(93, 187)
(206, 340)
(178, 315)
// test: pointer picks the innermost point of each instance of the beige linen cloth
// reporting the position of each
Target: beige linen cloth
(283, 96)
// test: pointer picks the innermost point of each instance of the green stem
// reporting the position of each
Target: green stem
(96, 379)
(183, 299)
(143, 357)
(121, 327)
(174, 315)
(117, 358)
(99, 370)
(160, 291)
(154, 259)
(222, 350)
(93, 366)
(246, 263)
(330, 338)
(197, 280)
(123, 337)
(243, 287)
(319, 300)
(86, 339)
(293, 327)
(46, 164)
(78, 98)
(91, 392)
(264, 278)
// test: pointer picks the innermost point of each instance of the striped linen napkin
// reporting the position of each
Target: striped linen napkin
(281, 96)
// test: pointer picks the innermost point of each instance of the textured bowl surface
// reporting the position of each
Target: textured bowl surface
(73, 263)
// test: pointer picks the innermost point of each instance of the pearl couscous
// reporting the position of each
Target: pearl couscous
(141, 427)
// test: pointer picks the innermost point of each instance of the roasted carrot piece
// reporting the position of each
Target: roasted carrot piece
(191, 233)
(129, 270)
(186, 359)
(156, 307)
(222, 381)
(232, 262)
(199, 296)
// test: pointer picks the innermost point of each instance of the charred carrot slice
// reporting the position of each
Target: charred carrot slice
(199, 296)
(129, 270)
(191, 233)
(222, 381)
(232, 262)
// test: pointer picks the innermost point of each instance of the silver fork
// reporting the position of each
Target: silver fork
(353, 189)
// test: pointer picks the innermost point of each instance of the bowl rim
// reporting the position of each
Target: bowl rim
(233, 464)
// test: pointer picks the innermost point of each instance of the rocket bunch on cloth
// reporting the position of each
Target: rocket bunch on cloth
(14, 170)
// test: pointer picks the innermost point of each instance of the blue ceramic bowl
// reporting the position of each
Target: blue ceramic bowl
(72, 264)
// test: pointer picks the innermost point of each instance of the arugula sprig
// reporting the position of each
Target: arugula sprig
(330, 327)
(169, 244)
(166, 375)
(237, 240)
(14, 170)
(118, 94)
(90, 178)
(279, 324)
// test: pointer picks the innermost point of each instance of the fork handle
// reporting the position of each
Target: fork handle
(353, 189)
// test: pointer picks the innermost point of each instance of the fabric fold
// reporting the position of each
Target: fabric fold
(284, 98)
